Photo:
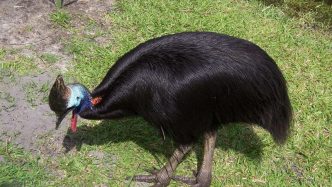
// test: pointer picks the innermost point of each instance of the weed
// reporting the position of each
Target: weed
(315, 13)
(31, 93)
(8, 101)
(6, 96)
(36, 94)
(2, 54)
(44, 91)
(58, 4)
(21, 65)
(49, 58)
(20, 168)
(61, 18)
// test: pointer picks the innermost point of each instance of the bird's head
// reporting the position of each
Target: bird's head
(65, 98)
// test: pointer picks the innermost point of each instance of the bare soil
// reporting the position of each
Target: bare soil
(25, 27)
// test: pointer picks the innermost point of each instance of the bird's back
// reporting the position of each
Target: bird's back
(189, 83)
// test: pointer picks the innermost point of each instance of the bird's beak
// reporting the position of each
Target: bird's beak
(62, 116)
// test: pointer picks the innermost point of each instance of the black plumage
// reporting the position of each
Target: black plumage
(189, 84)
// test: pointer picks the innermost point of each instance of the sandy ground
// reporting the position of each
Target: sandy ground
(25, 27)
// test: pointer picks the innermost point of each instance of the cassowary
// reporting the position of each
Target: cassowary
(187, 85)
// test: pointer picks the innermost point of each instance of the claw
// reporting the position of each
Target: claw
(152, 171)
(153, 178)
(145, 178)
(186, 180)
(148, 179)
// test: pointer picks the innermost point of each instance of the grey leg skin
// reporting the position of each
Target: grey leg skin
(203, 178)
(163, 176)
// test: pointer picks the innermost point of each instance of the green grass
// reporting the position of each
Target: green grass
(8, 101)
(2, 54)
(58, 4)
(36, 94)
(18, 63)
(12, 63)
(244, 156)
(49, 58)
(20, 168)
(311, 14)
(61, 18)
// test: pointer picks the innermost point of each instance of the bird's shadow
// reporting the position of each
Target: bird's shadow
(240, 138)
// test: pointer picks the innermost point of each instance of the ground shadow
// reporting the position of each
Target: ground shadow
(320, 8)
(114, 131)
(279, 2)
(239, 138)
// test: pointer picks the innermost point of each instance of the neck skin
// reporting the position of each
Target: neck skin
(85, 104)
(80, 98)
(78, 90)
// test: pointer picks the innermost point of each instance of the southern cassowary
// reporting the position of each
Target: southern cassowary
(187, 85)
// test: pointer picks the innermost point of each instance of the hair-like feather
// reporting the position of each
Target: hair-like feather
(190, 83)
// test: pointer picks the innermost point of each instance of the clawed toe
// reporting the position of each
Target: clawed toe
(152, 171)
(151, 179)
(186, 180)
(194, 181)
(145, 178)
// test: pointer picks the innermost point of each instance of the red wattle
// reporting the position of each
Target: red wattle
(95, 100)
(73, 122)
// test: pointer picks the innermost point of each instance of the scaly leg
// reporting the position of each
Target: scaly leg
(163, 176)
(203, 177)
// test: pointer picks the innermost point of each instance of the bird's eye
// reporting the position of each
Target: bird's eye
(77, 98)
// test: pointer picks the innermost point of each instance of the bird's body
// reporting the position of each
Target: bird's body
(189, 84)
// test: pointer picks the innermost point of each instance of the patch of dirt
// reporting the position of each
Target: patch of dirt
(25, 26)
(24, 118)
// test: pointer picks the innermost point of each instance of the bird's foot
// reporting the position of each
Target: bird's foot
(192, 181)
(157, 177)
(198, 180)
(186, 180)
(152, 171)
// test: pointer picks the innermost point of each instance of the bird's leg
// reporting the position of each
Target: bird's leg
(163, 176)
(203, 178)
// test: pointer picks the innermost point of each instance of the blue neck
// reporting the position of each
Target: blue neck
(80, 98)
(85, 104)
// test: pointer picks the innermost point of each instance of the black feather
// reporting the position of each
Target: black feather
(190, 83)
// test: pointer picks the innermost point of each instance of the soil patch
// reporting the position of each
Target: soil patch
(26, 28)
